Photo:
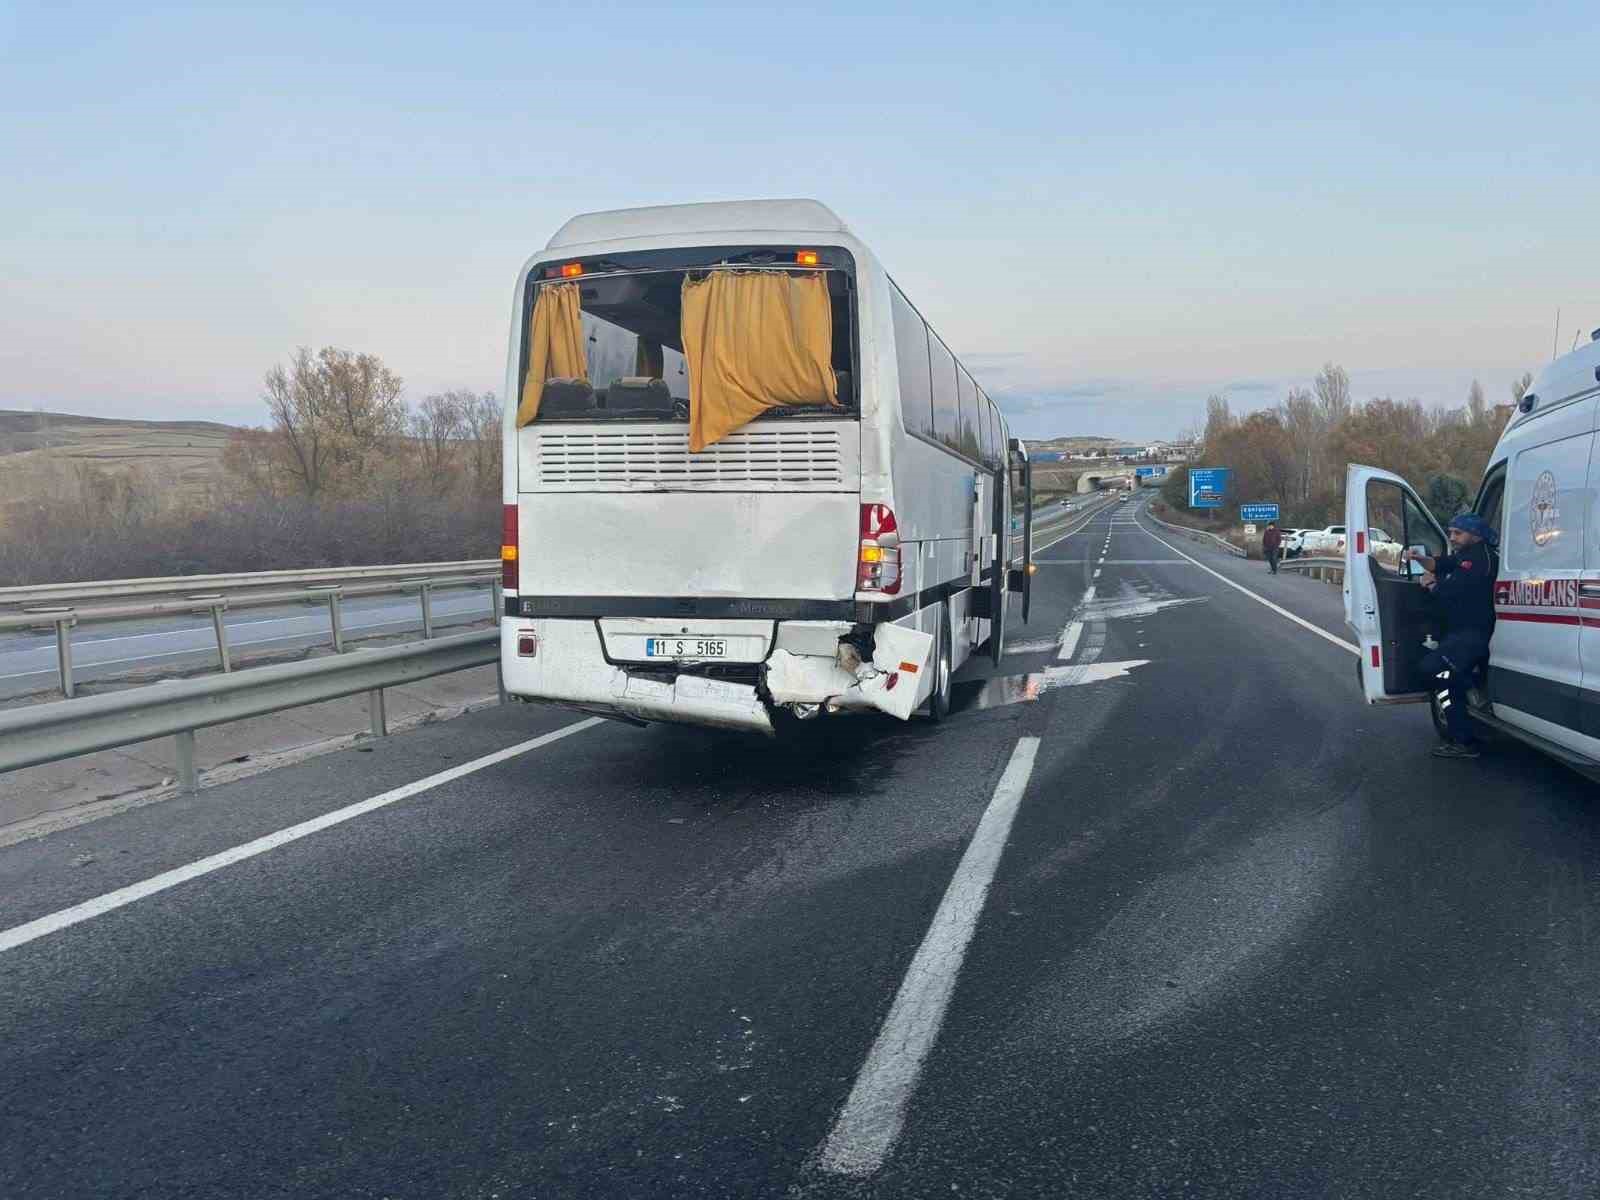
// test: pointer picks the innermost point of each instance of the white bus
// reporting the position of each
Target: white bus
(853, 523)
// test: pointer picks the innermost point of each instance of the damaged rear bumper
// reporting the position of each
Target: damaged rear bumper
(810, 663)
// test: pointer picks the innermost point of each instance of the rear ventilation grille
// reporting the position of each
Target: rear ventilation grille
(661, 458)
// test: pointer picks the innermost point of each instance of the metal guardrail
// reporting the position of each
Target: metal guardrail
(1198, 535)
(244, 593)
(65, 729)
(1330, 570)
(78, 595)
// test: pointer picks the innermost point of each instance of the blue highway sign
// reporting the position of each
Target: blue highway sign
(1206, 486)
(1258, 512)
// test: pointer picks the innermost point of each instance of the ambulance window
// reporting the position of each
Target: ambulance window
(1490, 497)
(1420, 530)
(1396, 520)
(1385, 513)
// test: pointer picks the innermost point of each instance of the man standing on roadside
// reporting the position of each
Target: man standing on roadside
(1462, 583)
(1271, 540)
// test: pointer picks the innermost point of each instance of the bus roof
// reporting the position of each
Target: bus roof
(723, 216)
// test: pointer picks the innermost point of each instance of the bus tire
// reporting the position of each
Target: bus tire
(943, 657)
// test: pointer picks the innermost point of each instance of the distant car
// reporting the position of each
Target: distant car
(1290, 544)
(1323, 541)
(1330, 541)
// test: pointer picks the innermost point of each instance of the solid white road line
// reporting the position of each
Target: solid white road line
(1068, 646)
(1069, 641)
(20, 935)
(874, 1114)
(1282, 612)
(83, 666)
(1073, 532)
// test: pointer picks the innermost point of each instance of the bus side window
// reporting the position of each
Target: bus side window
(985, 431)
(946, 406)
(967, 429)
(911, 355)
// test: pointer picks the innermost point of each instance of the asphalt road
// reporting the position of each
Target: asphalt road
(120, 648)
(1244, 937)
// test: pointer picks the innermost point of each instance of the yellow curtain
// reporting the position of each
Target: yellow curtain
(555, 345)
(754, 340)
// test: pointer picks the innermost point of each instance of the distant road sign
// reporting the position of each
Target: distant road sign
(1048, 456)
(1258, 512)
(1147, 472)
(1207, 485)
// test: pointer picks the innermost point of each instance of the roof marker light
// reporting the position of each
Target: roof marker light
(571, 270)
(807, 258)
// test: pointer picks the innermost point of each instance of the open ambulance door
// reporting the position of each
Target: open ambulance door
(1385, 604)
(1021, 521)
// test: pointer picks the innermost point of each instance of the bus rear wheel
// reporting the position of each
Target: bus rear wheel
(939, 700)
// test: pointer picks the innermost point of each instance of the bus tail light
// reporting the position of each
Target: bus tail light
(878, 562)
(508, 547)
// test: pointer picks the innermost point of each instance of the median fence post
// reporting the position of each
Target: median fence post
(335, 619)
(425, 590)
(63, 619)
(188, 776)
(379, 712)
(218, 605)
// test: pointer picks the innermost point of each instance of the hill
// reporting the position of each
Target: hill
(39, 447)
(1079, 444)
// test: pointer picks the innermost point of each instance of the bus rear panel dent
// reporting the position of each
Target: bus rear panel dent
(812, 665)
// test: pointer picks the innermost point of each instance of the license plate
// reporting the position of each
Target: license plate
(685, 647)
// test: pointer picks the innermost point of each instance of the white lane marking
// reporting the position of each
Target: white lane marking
(1054, 677)
(1073, 629)
(1282, 612)
(1030, 647)
(19, 935)
(873, 1116)
(1097, 573)
(82, 667)
(1077, 529)
(1069, 641)
(232, 625)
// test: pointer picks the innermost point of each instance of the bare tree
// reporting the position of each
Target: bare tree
(335, 416)
(437, 429)
(1477, 407)
(1307, 427)
(297, 406)
(1332, 386)
(485, 421)
(1519, 387)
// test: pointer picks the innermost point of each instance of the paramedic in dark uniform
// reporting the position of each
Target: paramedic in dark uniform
(1462, 583)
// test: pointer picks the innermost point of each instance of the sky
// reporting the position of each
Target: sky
(1109, 212)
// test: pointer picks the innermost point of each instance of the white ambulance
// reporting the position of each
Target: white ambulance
(1542, 684)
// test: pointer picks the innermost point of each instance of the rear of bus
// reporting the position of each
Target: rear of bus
(650, 582)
